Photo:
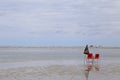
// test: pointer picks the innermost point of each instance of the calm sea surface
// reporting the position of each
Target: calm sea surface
(37, 53)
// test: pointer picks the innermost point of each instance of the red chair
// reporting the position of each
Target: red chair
(90, 56)
(90, 59)
(97, 56)
(96, 59)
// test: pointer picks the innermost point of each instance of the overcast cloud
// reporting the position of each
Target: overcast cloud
(59, 22)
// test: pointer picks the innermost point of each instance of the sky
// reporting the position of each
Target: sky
(59, 22)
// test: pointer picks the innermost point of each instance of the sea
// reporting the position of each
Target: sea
(27, 56)
(58, 63)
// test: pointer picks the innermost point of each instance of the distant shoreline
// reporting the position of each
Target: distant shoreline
(105, 47)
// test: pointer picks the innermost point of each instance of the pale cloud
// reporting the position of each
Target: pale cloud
(111, 11)
(116, 3)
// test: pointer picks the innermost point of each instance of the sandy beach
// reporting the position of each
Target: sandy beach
(58, 69)
(60, 72)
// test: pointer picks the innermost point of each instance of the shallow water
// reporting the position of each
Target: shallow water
(30, 54)
(56, 64)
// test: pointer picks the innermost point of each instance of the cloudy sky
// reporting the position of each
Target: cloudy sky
(59, 22)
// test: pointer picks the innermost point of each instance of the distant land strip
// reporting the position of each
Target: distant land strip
(103, 47)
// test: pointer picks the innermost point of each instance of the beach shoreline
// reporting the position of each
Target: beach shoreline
(56, 64)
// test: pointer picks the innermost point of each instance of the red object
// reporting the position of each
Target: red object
(90, 67)
(97, 56)
(90, 56)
